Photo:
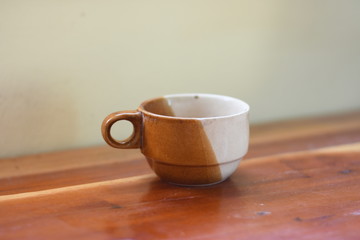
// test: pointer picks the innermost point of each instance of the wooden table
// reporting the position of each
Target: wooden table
(300, 180)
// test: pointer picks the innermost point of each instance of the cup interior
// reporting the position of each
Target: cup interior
(195, 106)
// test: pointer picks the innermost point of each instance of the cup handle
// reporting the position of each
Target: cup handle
(134, 141)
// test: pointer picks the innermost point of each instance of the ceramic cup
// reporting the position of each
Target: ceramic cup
(187, 139)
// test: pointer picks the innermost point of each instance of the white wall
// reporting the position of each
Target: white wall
(64, 65)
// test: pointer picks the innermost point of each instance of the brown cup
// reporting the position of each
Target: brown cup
(187, 139)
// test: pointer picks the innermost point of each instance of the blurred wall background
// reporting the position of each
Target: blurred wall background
(65, 65)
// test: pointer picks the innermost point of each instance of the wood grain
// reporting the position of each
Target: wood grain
(293, 186)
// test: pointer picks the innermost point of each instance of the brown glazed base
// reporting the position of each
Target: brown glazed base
(197, 185)
(187, 175)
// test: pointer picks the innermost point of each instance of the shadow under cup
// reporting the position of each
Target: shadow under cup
(188, 139)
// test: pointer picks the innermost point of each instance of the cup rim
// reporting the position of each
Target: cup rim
(244, 112)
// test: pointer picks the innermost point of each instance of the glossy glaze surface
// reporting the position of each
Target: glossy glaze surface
(190, 139)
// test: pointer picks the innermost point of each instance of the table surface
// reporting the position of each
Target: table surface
(299, 180)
